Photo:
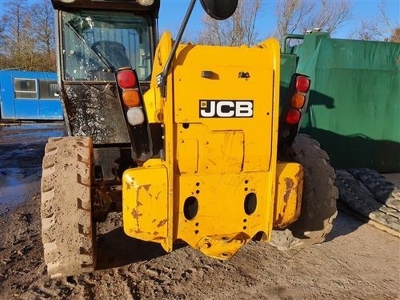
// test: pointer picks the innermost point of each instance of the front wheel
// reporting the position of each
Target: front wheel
(68, 233)
(318, 209)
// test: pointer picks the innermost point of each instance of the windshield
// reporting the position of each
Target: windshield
(95, 44)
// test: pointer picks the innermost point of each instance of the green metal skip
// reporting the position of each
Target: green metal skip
(355, 99)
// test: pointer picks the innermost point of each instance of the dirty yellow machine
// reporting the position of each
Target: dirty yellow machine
(194, 139)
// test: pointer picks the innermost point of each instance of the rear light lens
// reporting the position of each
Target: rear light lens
(146, 2)
(126, 79)
(135, 116)
(298, 101)
(302, 84)
(292, 116)
(131, 98)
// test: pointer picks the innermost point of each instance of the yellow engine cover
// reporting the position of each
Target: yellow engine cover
(215, 186)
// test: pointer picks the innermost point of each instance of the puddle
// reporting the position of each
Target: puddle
(21, 154)
(18, 191)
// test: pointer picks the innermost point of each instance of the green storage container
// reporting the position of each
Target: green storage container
(354, 109)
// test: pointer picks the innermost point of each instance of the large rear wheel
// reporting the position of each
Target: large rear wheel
(68, 233)
(318, 209)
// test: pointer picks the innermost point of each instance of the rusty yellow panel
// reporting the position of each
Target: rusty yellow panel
(219, 213)
(289, 194)
(222, 151)
(201, 150)
(223, 246)
(145, 205)
(188, 156)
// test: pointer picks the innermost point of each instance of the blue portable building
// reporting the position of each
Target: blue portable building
(27, 95)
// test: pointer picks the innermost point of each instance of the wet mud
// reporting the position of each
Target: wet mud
(21, 153)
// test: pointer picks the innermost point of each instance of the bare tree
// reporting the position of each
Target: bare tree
(16, 37)
(395, 38)
(43, 23)
(380, 27)
(237, 30)
(14, 20)
(298, 16)
(290, 14)
(26, 38)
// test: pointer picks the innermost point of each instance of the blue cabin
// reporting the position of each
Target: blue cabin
(26, 95)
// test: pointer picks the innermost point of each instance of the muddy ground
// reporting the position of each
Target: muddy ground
(358, 261)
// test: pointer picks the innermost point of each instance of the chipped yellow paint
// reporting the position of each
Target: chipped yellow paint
(145, 205)
(224, 246)
(289, 194)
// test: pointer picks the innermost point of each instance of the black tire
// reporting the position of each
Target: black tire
(68, 233)
(318, 209)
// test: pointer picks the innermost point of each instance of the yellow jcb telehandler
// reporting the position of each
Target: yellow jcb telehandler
(190, 142)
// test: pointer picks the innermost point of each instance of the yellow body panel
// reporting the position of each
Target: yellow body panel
(215, 185)
(288, 194)
(145, 209)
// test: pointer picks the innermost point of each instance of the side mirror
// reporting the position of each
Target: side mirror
(219, 9)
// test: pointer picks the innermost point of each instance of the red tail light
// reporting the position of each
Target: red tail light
(302, 84)
(126, 79)
(293, 116)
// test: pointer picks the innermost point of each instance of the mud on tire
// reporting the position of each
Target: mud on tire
(318, 208)
(68, 234)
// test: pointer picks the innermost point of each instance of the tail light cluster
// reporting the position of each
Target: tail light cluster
(298, 100)
(293, 109)
(132, 101)
(131, 96)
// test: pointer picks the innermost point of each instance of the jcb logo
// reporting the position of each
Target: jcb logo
(226, 108)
